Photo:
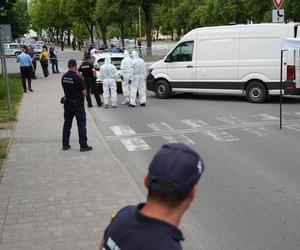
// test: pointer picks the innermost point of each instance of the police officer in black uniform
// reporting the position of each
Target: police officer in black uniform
(89, 74)
(171, 181)
(73, 101)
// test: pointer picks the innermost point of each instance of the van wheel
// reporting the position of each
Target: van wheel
(256, 92)
(162, 89)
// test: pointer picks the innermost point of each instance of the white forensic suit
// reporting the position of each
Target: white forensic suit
(138, 83)
(109, 74)
(127, 73)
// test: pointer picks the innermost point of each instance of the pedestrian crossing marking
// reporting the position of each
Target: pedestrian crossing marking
(122, 130)
(135, 144)
(178, 139)
(160, 126)
(219, 135)
(231, 120)
(260, 131)
(195, 123)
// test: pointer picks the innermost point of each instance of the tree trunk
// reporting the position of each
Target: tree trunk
(92, 32)
(157, 33)
(146, 6)
(69, 38)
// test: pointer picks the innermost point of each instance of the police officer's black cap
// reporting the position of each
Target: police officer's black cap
(177, 164)
(72, 63)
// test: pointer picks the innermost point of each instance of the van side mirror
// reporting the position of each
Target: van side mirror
(169, 58)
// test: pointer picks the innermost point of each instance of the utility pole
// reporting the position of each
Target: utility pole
(5, 75)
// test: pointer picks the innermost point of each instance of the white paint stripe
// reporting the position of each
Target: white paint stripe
(195, 123)
(135, 144)
(212, 128)
(294, 127)
(160, 126)
(178, 138)
(231, 120)
(220, 135)
(267, 117)
(261, 132)
(122, 130)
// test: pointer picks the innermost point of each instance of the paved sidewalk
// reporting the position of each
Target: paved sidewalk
(54, 199)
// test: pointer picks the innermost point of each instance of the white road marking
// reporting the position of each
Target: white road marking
(160, 126)
(195, 123)
(261, 132)
(135, 144)
(178, 138)
(294, 127)
(122, 130)
(232, 120)
(267, 117)
(210, 128)
(219, 135)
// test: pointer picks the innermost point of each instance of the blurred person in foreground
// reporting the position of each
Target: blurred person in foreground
(172, 185)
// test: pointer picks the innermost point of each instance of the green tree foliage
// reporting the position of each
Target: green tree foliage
(82, 12)
(15, 12)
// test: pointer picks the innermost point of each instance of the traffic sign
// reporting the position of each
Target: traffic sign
(278, 3)
(278, 16)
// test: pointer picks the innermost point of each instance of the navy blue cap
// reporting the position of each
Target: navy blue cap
(178, 165)
(72, 63)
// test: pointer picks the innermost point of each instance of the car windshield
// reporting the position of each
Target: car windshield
(114, 60)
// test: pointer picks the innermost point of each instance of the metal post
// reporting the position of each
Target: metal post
(5, 75)
(281, 59)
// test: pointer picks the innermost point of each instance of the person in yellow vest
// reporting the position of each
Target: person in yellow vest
(44, 58)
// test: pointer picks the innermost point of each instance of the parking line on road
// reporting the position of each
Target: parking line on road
(178, 138)
(261, 132)
(135, 144)
(160, 126)
(232, 120)
(122, 130)
(267, 117)
(294, 127)
(195, 123)
(219, 135)
(211, 128)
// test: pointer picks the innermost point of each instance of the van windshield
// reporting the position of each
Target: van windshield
(183, 52)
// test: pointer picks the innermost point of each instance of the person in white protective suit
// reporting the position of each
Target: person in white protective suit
(109, 75)
(126, 75)
(138, 83)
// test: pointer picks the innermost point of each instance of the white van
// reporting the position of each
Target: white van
(240, 59)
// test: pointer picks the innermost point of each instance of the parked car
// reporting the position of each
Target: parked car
(12, 49)
(98, 61)
(238, 59)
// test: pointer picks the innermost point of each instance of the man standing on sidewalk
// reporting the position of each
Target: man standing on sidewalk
(26, 68)
(89, 75)
(171, 181)
(73, 101)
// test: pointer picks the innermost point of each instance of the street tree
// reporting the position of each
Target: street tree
(15, 13)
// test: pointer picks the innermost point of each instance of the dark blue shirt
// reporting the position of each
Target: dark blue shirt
(73, 85)
(131, 230)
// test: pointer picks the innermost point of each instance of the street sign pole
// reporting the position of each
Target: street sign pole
(5, 75)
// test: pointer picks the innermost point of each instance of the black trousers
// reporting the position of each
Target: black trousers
(90, 84)
(26, 74)
(44, 65)
(54, 65)
(34, 67)
(78, 111)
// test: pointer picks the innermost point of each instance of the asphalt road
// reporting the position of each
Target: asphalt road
(249, 196)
